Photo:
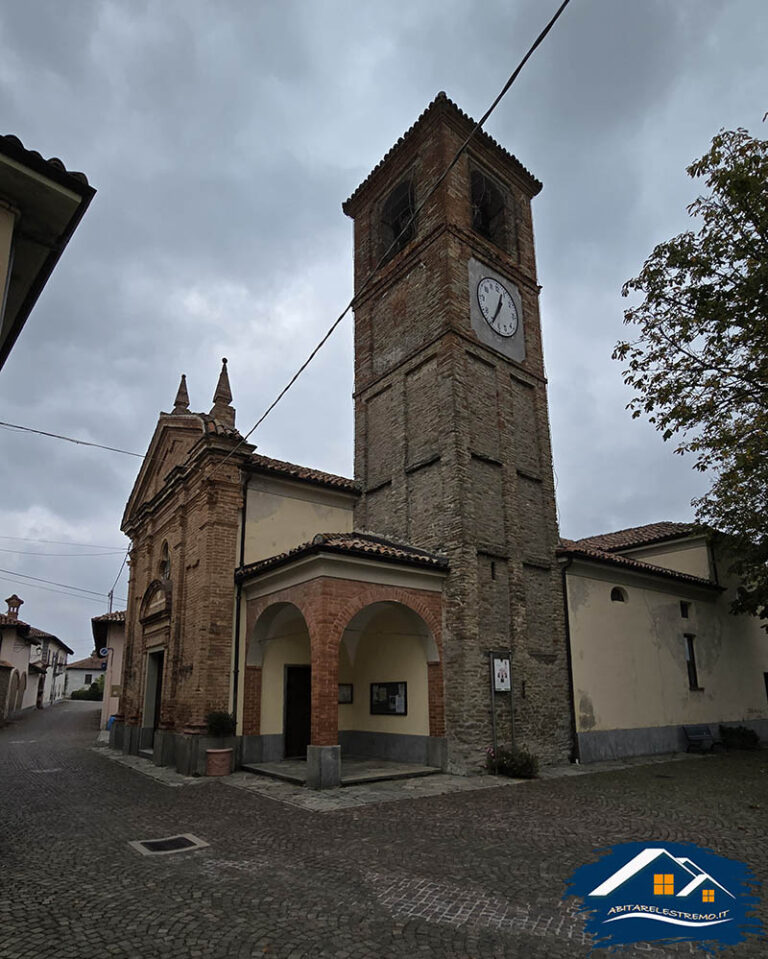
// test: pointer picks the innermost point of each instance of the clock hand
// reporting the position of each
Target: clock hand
(498, 308)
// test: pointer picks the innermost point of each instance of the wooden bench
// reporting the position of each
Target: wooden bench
(700, 739)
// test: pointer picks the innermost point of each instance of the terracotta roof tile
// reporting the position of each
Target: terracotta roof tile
(116, 616)
(318, 477)
(637, 536)
(616, 559)
(443, 102)
(90, 662)
(11, 145)
(352, 544)
(6, 620)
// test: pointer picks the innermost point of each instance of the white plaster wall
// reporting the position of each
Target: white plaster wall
(629, 663)
(281, 515)
(385, 653)
(114, 674)
(690, 557)
(286, 650)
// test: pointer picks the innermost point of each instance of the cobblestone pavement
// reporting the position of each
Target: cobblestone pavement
(473, 873)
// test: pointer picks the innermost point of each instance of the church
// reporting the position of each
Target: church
(427, 606)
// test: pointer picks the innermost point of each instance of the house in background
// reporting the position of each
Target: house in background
(653, 644)
(41, 205)
(83, 672)
(32, 664)
(109, 633)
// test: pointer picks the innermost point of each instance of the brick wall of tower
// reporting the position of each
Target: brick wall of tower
(452, 446)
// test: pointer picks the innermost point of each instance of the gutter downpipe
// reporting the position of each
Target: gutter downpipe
(238, 598)
(575, 752)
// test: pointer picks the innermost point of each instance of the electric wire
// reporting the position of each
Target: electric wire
(25, 552)
(61, 592)
(50, 582)
(478, 126)
(69, 439)
(58, 542)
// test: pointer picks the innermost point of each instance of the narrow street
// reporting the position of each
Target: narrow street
(470, 874)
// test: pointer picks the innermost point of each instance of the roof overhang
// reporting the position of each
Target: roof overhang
(303, 568)
(48, 204)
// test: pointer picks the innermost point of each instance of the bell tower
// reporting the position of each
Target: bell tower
(452, 445)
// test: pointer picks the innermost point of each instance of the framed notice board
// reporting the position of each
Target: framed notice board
(389, 699)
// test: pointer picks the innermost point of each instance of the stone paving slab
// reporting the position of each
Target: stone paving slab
(472, 873)
(348, 797)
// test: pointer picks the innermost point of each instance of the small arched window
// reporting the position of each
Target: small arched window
(618, 595)
(165, 562)
(396, 230)
(488, 209)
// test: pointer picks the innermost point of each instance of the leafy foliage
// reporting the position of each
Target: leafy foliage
(699, 363)
(739, 737)
(93, 692)
(512, 761)
(221, 723)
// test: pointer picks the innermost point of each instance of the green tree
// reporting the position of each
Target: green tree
(698, 363)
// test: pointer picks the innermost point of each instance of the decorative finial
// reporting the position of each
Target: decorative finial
(181, 403)
(222, 410)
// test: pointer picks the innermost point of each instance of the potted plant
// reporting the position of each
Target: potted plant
(221, 724)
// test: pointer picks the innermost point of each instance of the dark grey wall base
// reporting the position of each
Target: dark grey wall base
(117, 736)
(646, 741)
(263, 749)
(131, 736)
(424, 750)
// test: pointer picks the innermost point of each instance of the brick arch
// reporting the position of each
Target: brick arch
(371, 594)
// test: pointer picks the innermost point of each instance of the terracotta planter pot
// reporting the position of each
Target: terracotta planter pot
(218, 762)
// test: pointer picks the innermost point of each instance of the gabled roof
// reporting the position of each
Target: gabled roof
(31, 633)
(266, 464)
(591, 553)
(361, 544)
(90, 662)
(443, 103)
(637, 536)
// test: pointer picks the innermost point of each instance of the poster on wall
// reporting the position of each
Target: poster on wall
(501, 674)
(345, 693)
(389, 699)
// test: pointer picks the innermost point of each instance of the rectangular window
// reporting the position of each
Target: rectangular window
(690, 660)
(88, 679)
(663, 884)
(684, 607)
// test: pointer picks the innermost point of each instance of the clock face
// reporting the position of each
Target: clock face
(497, 306)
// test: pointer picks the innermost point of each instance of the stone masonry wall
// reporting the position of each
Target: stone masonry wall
(452, 444)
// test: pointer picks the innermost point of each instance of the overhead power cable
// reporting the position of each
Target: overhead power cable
(366, 283)
(59, 542)
(49, 582)
(25, 552)
(69, 439)
(61, 592)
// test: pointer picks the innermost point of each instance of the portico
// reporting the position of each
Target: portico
(342, 646)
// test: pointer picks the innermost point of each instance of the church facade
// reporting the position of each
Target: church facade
(416, 611)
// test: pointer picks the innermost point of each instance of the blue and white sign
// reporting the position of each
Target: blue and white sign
(651, 892)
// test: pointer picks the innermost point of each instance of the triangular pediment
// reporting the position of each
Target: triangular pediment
(174, 437)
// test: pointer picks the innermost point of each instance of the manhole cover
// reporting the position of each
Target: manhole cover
(170, 844)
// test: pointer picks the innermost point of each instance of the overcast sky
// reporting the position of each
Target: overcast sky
(222, 139)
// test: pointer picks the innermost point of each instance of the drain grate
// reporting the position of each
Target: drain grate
(168, 845)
